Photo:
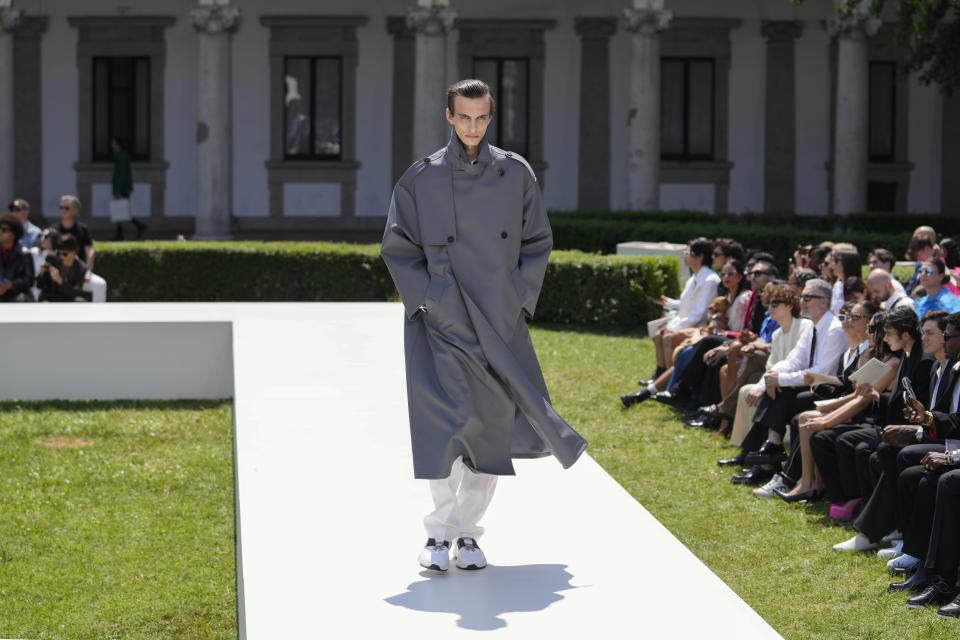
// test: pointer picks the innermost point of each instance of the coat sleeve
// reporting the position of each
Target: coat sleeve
(536, 241)
(402, 252)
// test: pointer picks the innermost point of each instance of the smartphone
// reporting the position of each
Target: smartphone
(908, 389)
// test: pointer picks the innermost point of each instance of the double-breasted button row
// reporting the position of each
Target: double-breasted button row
(503, 235)
(450, 239)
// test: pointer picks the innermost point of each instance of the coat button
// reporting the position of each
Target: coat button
(449, 238)
(499, 172)
(504, 235)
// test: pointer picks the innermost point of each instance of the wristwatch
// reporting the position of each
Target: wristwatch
(954, 456)
(920, 433)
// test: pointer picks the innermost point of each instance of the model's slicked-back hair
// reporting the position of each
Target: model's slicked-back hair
(470, 88)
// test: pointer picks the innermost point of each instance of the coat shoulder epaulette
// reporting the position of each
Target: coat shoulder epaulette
(497, 152)
(408, 177)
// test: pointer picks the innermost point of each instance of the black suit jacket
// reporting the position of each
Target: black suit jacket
(18, 269)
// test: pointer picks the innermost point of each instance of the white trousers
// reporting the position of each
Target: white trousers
(460, 500)
(97, 286)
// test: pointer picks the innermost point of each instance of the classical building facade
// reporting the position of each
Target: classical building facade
(293, 118)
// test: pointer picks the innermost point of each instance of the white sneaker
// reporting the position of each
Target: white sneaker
(892, 552)
(435, 555)
(857, 543)
(468, 554)
(767, 490)
(903, 564)
(893, 536)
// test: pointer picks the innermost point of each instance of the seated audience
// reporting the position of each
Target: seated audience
(31, 232)
(16, 266)
(69, 210)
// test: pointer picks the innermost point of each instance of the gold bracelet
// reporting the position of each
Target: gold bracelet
(928, 419)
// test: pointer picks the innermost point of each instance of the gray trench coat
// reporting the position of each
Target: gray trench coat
(467, 245)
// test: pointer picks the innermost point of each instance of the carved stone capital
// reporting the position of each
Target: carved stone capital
(9, 19)
(781, 30)
(213, 19)
(859, 18)
(646, 22)
(431, 21)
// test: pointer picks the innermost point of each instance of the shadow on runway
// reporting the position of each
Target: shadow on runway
(481, 597)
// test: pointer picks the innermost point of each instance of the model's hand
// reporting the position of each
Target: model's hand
(754, 395)
(660, 302)
(899, 435)
(933, 461)
(814, 424)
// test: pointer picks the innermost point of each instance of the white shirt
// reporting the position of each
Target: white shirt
(691, 308)
(831, 343)
(781, 344)
(837, 301)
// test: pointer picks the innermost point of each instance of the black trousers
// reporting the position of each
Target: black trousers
(943, 554)
(776, 414)
(883, 511)
(917, 499)
(696, 374)
(824, 445)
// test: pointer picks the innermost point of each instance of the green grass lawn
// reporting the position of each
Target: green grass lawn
(117, 520)
(776, 556)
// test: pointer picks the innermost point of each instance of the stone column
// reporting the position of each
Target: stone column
(645, 20)
(431, 20)
(594, 174)
(215, 21)
(780, 149)
(9, 20)
(850, 152)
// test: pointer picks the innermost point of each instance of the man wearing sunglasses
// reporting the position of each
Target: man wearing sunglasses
(817, 351)
(69, 224)
(16, 267)
(61, 275)
(31, 232)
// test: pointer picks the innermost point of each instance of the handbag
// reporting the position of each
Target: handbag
(120, 210)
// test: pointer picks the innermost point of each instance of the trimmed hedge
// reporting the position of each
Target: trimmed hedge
(601, 234)
(579, 288)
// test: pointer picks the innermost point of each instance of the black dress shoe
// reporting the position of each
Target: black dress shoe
(937, 592)
(665, 397)
(656, 374)
(951, 610)
(754, 475)
(634, 398)
(702, 420)
(734, 461)
(769, 453)
(806, 496)
(709, 410)
(915, 583)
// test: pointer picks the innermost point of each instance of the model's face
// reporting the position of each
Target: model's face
(470, 119)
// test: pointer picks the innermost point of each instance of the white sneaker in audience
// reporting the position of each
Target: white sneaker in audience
(858, 542)
(891, 552)
(893, 536)
(903, 564)
(766, 491)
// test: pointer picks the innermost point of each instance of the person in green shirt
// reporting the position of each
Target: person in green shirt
(123, 185)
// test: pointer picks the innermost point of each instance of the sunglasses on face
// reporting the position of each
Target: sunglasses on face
(928, 271)
(17, 209)
(754, 274)
(807, 297)
(65, 253)
(65, 207)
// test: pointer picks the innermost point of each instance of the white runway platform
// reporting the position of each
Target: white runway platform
(329, 514)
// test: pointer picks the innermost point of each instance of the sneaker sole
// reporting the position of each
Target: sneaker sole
(433, 567)
(471, 567)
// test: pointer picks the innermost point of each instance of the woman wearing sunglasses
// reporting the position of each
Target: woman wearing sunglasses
(937, 297)
(865, 339)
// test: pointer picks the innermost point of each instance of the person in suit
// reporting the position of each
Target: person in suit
(818, 351)
(879, 464)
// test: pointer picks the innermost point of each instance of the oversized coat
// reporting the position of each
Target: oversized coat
(467, 245)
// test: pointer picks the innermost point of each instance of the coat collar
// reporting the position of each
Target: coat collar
(458, 155)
